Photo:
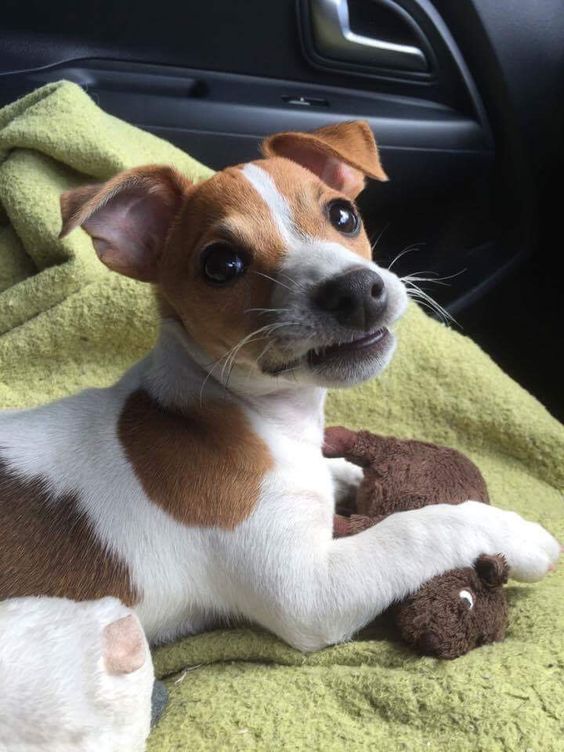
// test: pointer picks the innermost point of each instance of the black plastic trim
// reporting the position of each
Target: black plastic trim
(449, 71)
(221, 103)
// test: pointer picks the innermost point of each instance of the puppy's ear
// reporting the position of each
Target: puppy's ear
(341, 155)
(124, 646)
(127, 217)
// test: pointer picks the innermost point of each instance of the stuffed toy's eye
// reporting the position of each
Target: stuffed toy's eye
(223, 263)
(467, 597)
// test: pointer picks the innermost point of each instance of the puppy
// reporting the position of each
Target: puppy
(195, 489)
(74, 677)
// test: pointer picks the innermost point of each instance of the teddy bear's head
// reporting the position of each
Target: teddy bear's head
(457, 611)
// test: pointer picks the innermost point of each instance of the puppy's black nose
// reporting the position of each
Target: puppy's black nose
(356, 298)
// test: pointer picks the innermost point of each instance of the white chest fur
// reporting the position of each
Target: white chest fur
(187, 576)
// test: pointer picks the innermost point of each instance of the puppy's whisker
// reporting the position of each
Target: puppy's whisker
(410, 278)
(419, 294)
(267, 310)
(226, 356)
(232, 354)
(252, 337)
(272, 279)
(233, 361)
(409, 249)
(269, 346)
(380, 236)
(423, 304)
(292, 281)
(414, 276)
(209, 374)
(213, 364)
(416, 292)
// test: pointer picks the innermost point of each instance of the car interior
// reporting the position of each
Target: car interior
(464, 99)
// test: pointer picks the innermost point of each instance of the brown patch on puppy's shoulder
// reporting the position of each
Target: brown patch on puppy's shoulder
(48, 547)
(204, 468)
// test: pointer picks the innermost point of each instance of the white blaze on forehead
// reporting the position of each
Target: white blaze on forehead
(280, 209)
(310, 258)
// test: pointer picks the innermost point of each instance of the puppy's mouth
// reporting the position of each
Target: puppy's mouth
(370, 344)
(342, 363)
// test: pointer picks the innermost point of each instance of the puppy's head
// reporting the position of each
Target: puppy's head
(266, 265)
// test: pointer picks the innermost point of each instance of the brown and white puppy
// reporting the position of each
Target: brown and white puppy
(195, 488)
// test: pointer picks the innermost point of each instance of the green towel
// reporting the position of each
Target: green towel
(67, 323)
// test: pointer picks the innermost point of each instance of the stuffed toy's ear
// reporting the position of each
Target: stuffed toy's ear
(338, 441)
(493, 571)
(127, 217)
(341, 155)
(124, 646)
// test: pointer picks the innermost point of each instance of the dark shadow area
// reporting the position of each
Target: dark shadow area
(520, 322)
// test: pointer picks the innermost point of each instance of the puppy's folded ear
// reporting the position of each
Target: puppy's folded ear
(341, 155)
(128, 217)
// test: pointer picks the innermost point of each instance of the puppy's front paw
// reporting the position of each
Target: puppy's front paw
(534, 551)
(530, 550)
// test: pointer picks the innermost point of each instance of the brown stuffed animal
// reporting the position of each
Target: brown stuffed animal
(453, 612)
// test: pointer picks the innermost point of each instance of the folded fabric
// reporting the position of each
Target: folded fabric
(67, 323)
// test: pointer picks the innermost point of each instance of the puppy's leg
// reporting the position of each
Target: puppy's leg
(314, 591)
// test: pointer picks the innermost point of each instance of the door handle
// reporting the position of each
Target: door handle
(335, 38)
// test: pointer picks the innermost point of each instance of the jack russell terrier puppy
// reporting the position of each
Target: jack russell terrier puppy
(195, 489)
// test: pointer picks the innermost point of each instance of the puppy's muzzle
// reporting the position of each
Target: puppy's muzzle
(356, 298)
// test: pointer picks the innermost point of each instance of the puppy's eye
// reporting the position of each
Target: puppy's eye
(343, 216)
(467, 597)
(222, 263)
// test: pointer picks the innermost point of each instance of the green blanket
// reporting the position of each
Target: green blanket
(67, 323)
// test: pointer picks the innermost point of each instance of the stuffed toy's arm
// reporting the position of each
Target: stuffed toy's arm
(359, 447)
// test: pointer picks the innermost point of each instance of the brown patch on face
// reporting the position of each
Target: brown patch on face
(49, 547)
(307, 197)
(225, 208)
(204, 468)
